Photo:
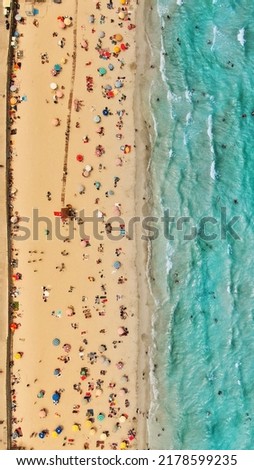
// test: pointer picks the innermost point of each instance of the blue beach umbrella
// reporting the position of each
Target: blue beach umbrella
(56, 342)
(117, 264)
(56, 397)
(111, 66)
(105, 112)
(40, 394)
(102, 71)
(101, 417)
(118, 84)
(56, 372)
(57, 67)
(59, 429)
(42, 434)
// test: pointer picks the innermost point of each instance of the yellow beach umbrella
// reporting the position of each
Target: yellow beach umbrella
(122, 2)
(54, 434)
(117, 49)
(92, 431)
(123, 446)
(103, 436)
(121, 15)
(13, 101)
(88, 423)
(17, 356)
(75, 427)
(118, 37)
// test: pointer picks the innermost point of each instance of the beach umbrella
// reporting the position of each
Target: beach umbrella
(101, 34)
(55, 122)
(59, 94)
(117, 49)
(103, 436)
(102, 71)
(97, 184)
(101, 416)
(67, 21)
(75, 427)
(92, 431)
(121, 15)
(121, 330)
(117, 265)
(14, 219)
(124, 379)
(108, 87)
(43, 413)
(98, 392)
(81, 188)
(122, 392)
(88, 168)
(18, 17)
(105, 112)
(102, 348)
(17, 355)
(54, 434)
(119, 162)
(118, 37)
(86, 174)
(13, 88)
(69, 311)
(97, 119)
(57, 67)
(59, 429)
(59, 313)
(91, 19)
(56, 342)
(53, 86)
(111, 66)
(83, 371)
(13, 101)
(15, 435)
(122, 419)
(118, 84)
(56, 396)
(63, 60)
(40, 394)
(123, 47)
(67, 348)
(42, 434)
(88, 423)
(83, 243)
(123, 446)
(80, 158)
(123, 2)
(57, 371)
(14, 326)
(62, 25)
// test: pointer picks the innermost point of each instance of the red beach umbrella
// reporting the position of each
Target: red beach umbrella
(79, 158)
(13, 326)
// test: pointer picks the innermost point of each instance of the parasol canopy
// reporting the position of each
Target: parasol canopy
(80, 158)
(88, 423)
(75, 427)
(102, 71)
(57, 67)
(117, 265)
(111, 66)
(56, 396)
(101, 416)
(13, 101)
(118, 37)
(53, 86)
(101, 34)
(55, 122)
(13, 88)
(42, 434)
(59, 94)
(59, 429)
(122, 419)
(43, 413)
(117, 49)
(97, 119)
(67, 21)
(56, 342)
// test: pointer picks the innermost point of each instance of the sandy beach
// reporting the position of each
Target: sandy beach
(76, 336)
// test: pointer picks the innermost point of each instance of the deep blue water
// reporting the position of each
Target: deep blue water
(203, 166)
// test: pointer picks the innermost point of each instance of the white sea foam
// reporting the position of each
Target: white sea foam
(210, 131)
(179, 2)
(188, 119)
(188, 95)
(215, 30)
(212, 170)
(240, 37)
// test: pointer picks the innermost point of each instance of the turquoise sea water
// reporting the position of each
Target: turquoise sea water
(203, 161)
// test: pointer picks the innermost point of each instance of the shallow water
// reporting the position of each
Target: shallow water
(203, 166)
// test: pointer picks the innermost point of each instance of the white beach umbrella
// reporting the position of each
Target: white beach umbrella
(53, 86)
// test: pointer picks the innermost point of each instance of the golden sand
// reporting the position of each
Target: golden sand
(97, 409)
